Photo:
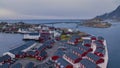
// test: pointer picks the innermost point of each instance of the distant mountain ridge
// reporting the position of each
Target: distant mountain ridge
(115, 15)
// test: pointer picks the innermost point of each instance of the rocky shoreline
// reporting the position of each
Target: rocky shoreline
(96, 23)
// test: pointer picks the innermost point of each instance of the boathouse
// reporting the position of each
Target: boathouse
(49, 43)
(72, 57)
(31, 54)
(84, 48)
(5, 59)
(87, 42)
(58, 54)
(79, 52)
(93, 38)
(74, 40)
(61, 63)
(94, 58)
(41, 48)
(100, 52)
(85, 63)
(21, 49)
(99, 44)
(19, 54)
(42, 55)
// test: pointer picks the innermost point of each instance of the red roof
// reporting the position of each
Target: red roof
(55, 57)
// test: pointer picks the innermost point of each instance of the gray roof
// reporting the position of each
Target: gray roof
(99, 44)
(100, 50)
(72, 56)
(87, 41)
(31, 52)
(63, 62)
(20, 48)
(93, 56)
(83, 47)
(74, 37)
(88, 64)
(43, 54)
(5, 57)
(59, 53)
(41, 48)
(100, 38)
(78, 50)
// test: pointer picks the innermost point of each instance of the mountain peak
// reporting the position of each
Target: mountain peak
(112, 15)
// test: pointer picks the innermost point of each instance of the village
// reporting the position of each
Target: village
(50, 47)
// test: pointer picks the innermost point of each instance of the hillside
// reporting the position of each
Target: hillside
(115, 15)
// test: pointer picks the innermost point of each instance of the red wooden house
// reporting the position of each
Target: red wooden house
(5, 59)
(42, 56)
(79, 52)
(72, 57)
(94, 58)
(62, 63)
(74, 40)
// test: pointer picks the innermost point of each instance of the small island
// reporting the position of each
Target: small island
(96, 23)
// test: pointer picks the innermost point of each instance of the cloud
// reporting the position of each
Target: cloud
(58, 8)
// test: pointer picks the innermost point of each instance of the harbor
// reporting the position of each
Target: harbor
(57, 48)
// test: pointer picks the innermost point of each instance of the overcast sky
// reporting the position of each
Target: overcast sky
(55, 9)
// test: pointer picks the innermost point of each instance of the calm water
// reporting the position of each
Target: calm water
(112, 35)
(9, 41)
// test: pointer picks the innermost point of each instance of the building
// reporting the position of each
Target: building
(99, 44)
(93, 38)
(31, 54)
(74, 40)
(19, 51)
(100, 52)
(31, 36)
(5, 59)
(79, 52)
(87, 42)
(85, 63)
(45, 36)
(41, 48)
(19, 54)
(72, 57)
(101, 39)
(49, 43)
(58, 54)
(84, 48)
(42, 55)
(61, 63)
(94, 58)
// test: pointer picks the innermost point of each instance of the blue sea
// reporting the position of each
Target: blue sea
(112, 35)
